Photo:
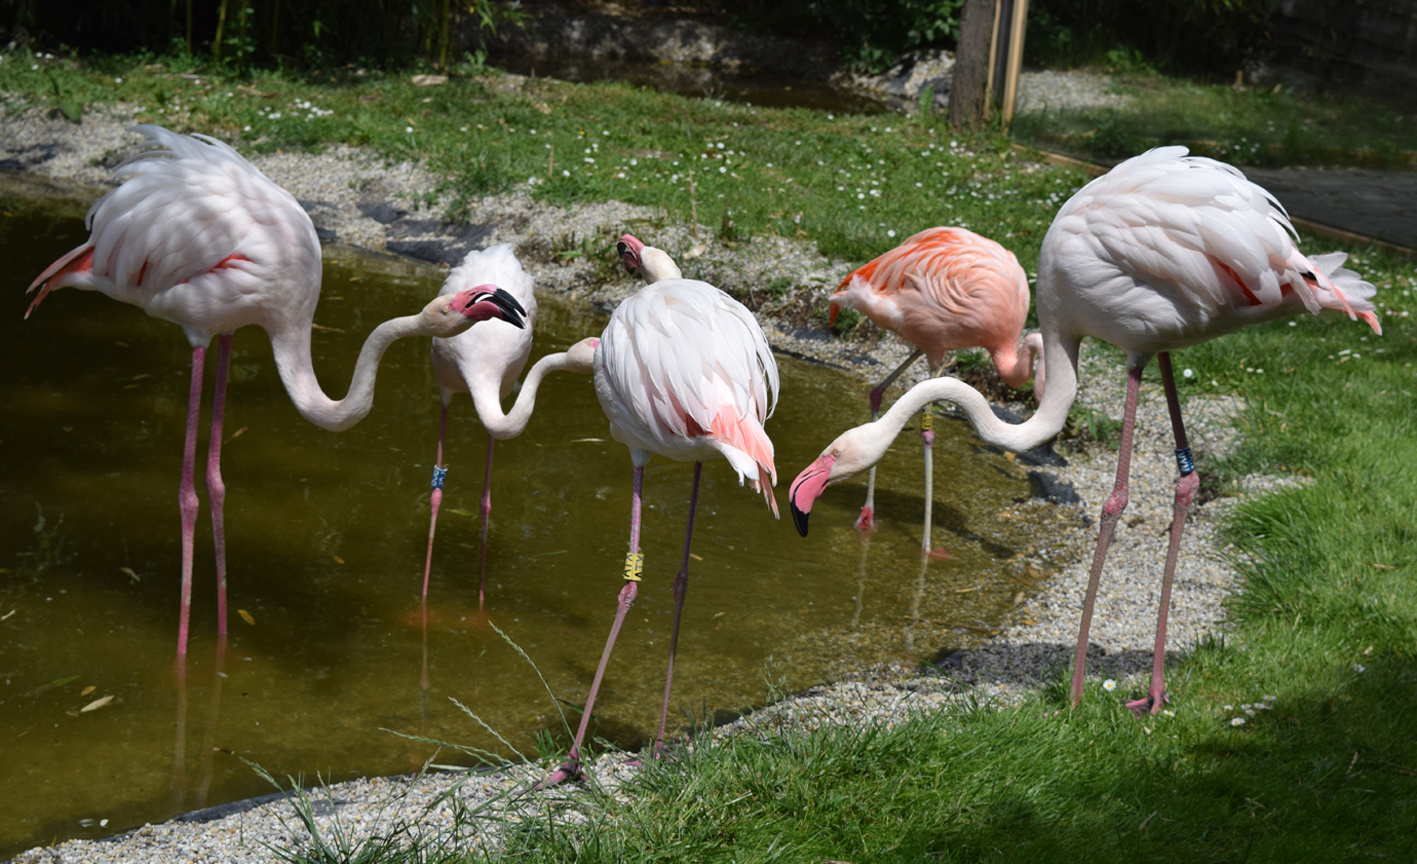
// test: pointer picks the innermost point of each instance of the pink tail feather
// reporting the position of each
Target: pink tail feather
(78, 260)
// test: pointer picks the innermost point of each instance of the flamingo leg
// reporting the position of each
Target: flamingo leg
(187, 498)
(681, 588)
(571, 768)
(927, 437)
(1186, 486)
(486, 516)
(1111, 511)
(440, 474)
(867, 520)
(216, 489)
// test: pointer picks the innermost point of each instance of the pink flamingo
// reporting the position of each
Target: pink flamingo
(941, 290)
(484, 362)
(1164, 251)
(682, 370)
(196, 235)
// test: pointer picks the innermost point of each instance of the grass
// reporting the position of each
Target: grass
(1247, 125)
(1325, 621)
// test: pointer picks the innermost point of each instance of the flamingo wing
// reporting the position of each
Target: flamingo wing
(688, 366)
(184, 211)
(1215, 243)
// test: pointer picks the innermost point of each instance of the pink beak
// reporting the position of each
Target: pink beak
(807, 488)
(489, 301)
(630, 249)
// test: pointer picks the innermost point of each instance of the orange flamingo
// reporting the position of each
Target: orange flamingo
(941, 290)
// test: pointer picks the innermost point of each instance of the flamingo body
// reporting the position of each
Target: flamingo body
(683, 370)
(1165, 251)
(944, 289)
(1168, 250)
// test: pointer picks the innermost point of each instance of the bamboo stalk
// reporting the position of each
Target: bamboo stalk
(220, 25)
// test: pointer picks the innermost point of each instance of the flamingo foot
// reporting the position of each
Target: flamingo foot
(1149, 705)
(866, 522)
(569, 770)
(940, 554)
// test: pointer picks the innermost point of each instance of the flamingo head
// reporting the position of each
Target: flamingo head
(580, 357)
(449, 316)
(853, 452)
(630, 249)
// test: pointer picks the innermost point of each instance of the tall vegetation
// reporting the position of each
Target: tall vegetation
(268, 33)
(1214, 36)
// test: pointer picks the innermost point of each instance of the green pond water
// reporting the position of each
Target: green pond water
(326, 536)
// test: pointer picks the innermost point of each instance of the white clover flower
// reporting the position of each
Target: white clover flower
(1109, 685)
(1270, 698)
(1359, 667)
(1169, 713)
(408, 129)
(1188, 372)
(1237, 721)
(890, 232)
(1227, 707)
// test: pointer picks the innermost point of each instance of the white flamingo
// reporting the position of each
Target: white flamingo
(196, 235)
(1164, 251)
(682, 370)
(484, 362)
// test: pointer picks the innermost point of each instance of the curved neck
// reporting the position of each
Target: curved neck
(1060, 358)
(292, 355)
(511, 424)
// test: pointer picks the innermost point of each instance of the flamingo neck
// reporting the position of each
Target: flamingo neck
(511, 424)
(297, 373)
(1060, 358)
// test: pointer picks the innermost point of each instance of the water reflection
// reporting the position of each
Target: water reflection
(327, 536)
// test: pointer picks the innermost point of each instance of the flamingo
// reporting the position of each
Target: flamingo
(1164, 251)
(682, 370)
(941, 290)
(196, 235)
(484, 362)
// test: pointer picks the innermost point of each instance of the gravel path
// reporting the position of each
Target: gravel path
(358, 199)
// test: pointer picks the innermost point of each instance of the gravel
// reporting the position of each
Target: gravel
(357, 198)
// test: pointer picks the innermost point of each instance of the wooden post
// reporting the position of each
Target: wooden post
(970, 79)
(1017, 26)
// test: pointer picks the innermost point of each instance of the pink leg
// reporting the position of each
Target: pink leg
(927, 437)
(1186, 487)
(1111, 511)
(571, 768)
(440, 473)
(681, 587)
(216, 489)
(187, 497)
(486, 516)
(867, 520)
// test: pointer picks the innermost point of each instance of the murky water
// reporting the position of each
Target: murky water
(326, 535)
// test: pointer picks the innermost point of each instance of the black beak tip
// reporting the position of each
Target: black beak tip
(512, 311)
(799, 519)
(621, 249)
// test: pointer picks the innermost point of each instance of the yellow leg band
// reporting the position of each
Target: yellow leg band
(634, 566)
(927, 419)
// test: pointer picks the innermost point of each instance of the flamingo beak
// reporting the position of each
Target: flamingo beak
(807, 488)
(476, 302)
(630, 249)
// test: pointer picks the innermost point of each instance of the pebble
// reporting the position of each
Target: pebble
(342, 186)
